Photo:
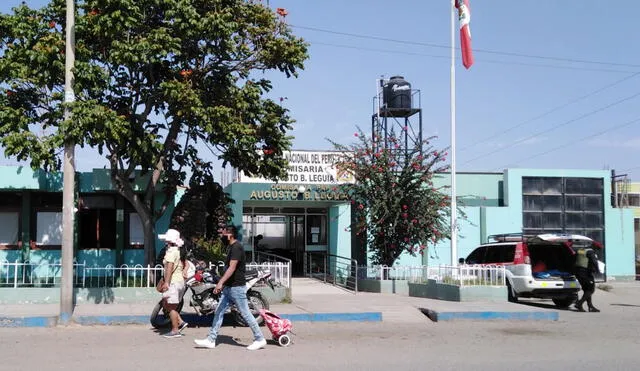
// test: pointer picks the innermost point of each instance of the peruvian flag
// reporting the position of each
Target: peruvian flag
(464, 16)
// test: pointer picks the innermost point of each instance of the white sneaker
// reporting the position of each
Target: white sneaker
(205, 343)
(258, 344)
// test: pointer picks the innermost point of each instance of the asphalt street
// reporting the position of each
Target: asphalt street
(579, 341)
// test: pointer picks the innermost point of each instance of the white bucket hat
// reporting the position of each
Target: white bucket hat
(172, 236)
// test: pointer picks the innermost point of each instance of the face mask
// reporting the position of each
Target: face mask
(225, 240)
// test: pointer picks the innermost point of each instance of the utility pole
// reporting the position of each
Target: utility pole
(69, 172)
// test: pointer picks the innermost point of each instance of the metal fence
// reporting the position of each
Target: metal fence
(462, 275)
(280, 271)
(337, 270)
(27, 274)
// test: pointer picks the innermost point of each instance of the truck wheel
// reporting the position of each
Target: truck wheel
(510, 294)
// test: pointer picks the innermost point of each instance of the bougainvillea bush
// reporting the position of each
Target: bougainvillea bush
(396, 205)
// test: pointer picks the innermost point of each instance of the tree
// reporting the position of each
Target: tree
(154, 81)
(201, 212)
(397, 208)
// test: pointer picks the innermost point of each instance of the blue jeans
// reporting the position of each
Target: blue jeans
(237, 295)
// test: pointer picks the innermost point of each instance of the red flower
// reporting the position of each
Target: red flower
(361, 206)
(52, 24)
(404, 207)
(405, 215)
(355, 134)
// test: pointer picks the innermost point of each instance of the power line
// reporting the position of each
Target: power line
(573, 141)
(629, 169)
(477, 50)
(483, 60)
(591, 113)
(555, 109)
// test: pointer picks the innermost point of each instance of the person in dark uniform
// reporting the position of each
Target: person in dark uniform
(585, 268)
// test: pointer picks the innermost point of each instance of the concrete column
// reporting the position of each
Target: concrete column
(25, 221)
(120, 230)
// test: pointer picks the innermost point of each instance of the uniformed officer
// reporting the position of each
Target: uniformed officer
(585, 268)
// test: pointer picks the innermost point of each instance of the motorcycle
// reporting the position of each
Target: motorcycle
(205, 302)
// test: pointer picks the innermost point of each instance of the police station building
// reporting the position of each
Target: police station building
(308, 213)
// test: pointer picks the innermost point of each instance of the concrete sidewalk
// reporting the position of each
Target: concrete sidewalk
(317, 302)
(312, 302)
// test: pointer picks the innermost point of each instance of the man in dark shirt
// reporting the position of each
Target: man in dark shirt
(232, 284)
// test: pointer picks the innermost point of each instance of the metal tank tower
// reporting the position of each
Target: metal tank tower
(397, 112)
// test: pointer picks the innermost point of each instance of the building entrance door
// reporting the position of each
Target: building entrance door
(296, 243)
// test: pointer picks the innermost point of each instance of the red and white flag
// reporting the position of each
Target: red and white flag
(464, 16)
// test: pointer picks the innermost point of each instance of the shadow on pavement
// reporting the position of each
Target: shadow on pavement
(545, 305)
(626, 305)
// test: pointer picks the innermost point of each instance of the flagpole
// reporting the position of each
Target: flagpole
(454, 216)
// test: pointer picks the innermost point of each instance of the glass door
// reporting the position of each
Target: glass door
(296, 243)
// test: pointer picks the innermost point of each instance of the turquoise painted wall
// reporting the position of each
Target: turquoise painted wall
(10, 256)
(44, 256)
(133, 257)
(619, 246)
(339, 238)
(23, 177)
(468, 239)
(474, 189)
(96, 258)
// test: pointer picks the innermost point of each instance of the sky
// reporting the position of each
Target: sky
(555, 84)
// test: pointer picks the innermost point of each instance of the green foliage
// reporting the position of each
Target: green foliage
(210, 250)
(203, 209)
(153, 80)
(396, 206)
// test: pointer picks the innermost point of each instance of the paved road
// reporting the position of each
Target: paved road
(609, 338)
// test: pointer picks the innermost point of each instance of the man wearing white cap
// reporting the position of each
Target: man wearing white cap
(174, 286)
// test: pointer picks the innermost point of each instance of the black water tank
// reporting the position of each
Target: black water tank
(396, 94)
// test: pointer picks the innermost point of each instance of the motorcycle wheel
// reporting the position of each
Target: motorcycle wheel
(159, 319)
(256, 302)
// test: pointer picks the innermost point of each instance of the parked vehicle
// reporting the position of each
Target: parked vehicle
(537, 266)
(205, 302)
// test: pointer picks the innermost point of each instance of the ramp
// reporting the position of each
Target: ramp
(311, 286)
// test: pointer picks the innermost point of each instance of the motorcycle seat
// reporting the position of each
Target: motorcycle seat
(251, 274)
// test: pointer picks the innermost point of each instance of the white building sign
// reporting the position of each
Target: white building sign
(310, 167)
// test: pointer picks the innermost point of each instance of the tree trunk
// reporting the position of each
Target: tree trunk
(149, 240)
(145, 212)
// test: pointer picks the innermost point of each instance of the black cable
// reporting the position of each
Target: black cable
(555, 109)
(481, 59)
(476, 50)
(591, 113)
(574, 141)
